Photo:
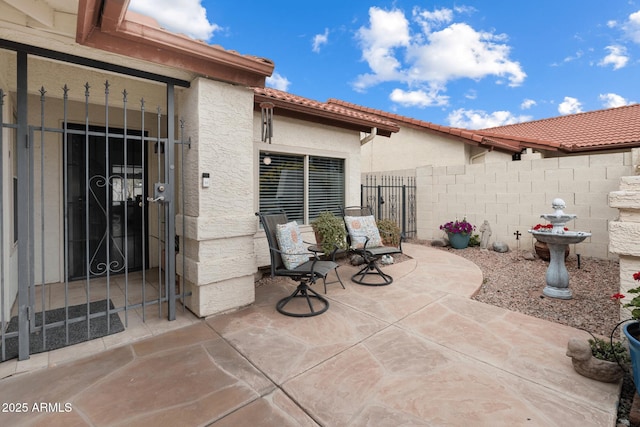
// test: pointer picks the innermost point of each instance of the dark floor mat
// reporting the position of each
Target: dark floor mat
(56, 337)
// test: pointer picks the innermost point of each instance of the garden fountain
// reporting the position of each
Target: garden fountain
(558, 239)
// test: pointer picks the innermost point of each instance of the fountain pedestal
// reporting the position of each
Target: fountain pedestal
(558, 240)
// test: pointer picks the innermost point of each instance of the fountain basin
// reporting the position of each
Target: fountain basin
(565, 238)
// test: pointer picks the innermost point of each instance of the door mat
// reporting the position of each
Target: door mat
(57, 337)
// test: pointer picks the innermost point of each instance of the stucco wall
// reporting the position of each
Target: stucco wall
(624, 234)
(512, 196)
(411, 148)
(9, 261)
(219, 220)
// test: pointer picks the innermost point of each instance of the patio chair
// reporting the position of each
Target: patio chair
(364, 239)
(290, 258)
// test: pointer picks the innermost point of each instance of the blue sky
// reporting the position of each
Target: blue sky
(472, 64)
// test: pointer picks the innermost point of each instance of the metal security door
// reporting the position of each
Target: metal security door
(115, 181)
(112, 217)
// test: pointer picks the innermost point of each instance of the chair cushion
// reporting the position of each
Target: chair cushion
(294, 251)
(361, 227)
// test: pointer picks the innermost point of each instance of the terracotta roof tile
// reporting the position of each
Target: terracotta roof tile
(594, 130)
(328, 110)
(601, 129)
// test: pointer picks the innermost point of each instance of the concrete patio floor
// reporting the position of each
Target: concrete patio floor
(417, 352)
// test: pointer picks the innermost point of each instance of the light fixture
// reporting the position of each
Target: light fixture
(267, 121)
(266, 159)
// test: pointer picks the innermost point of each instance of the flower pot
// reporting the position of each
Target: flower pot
(589, 366)
(542, 250)
(632, 332)
(459, 240)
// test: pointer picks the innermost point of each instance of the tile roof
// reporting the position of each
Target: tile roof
(601, 129)
(298, 105)
(465, 135)
(590, 131)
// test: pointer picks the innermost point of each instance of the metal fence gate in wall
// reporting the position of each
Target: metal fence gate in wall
(391, 197)
(91, 213)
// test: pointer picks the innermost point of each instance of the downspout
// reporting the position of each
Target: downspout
(368, 138)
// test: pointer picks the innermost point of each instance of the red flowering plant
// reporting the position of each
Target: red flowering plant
(634, 304)
(545, 227)
(458, 227)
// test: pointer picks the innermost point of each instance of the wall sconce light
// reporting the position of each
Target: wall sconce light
(267, 121)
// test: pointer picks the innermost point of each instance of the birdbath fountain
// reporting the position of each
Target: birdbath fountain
(557, 239)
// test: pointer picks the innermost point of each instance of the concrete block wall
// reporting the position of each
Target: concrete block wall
(512, 195)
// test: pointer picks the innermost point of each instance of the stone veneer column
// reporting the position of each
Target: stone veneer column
(219, 220)
(624, 233)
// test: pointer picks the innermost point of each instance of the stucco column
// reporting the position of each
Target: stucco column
(219, 219)
(624, 234)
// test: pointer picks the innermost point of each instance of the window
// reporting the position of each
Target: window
(288, 181)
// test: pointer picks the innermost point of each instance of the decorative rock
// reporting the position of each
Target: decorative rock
(585, 364)
(529, 256)
(386, 260)
(440, 243)
(500, 247)
(356, 260)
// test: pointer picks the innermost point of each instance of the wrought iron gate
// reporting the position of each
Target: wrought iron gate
(110, 216)
(391, 197)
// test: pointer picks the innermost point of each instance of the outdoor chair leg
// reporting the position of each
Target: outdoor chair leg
(303, 291)
(324, 281)
(371, 269)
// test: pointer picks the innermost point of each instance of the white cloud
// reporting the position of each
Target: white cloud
(570, 106)
(527, 103)
(617, 57)
(631, 27)
(320, 39)
(418, 98)
(185, 17)
(478, 119)
(459, 51)
(278, 81)
(387, 31)
(431, 52)
(612, 100)
(428, 20)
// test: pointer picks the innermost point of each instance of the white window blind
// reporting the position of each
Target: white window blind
(282, 185)
(326, 185)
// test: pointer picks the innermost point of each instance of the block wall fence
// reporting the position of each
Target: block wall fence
(512, 195)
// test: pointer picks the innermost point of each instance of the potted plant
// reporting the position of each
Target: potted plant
(598, 359)
(458, 232)
(632, 329)
(389, 232)
(541, 248)
(330, 231)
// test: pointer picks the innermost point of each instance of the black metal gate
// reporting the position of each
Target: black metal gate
(100, 198)
(391, 197)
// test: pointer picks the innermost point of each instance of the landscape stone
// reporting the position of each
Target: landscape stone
(500, 247)
(439, 243)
